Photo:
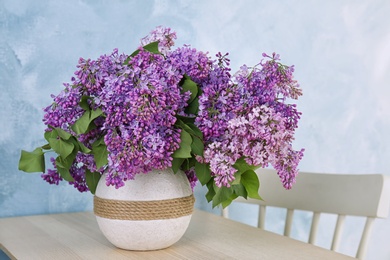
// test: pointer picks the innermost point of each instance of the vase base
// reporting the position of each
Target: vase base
(144, 235)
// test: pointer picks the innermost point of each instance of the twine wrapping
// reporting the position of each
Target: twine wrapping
(143, 210)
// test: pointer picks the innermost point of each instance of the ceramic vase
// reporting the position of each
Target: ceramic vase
(148, 213)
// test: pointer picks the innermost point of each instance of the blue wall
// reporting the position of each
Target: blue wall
(341, 50)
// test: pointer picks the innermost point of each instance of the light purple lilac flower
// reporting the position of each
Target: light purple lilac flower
(264, 135)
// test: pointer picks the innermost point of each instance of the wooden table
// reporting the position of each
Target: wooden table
(77, 236)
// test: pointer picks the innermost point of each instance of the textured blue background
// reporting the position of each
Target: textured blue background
(341, 50)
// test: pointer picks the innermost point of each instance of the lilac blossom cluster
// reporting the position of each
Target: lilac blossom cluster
(241, 116)
(140, 110)
(247, 117)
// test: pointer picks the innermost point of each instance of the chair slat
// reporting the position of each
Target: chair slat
(225, 212)
(362, 249)
(261, 220)
(314, 227)
(338, 231)
(288, 225)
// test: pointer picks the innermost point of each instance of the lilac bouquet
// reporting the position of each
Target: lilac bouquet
(161, 107)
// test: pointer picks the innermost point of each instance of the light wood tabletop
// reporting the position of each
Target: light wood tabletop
(77, 236)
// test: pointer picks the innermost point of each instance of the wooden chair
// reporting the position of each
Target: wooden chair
(365, 195)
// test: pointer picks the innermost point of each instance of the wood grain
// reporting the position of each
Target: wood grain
(77, 236)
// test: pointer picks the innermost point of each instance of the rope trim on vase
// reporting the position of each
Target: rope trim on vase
(143, 210)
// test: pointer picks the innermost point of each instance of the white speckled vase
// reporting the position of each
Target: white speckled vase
(128, 229)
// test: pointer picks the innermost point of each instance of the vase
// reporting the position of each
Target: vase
(148, 213)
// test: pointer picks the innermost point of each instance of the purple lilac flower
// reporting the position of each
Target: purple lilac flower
(140, 117)
(82, 163)
(196, 64)
(218, 100)
(52, 176)
(165, 37)
(191, 177)
(241, 116)
(262, 136)
(65, 110)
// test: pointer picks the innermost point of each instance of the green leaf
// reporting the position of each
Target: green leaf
(221, 194)
(242, 166)
(65, 174)
(176, 163)
(32, 161)
(227, 202)
(184, 150)
(189, 85)
(83, 148)
(100, 153)
(82, 124)
(61, 147)
(197, 146)
(79, 146)
(126, 62)
(203, 172)
(240, 190)
(251, 183)
(237, 177)
(46, 147)
(193, 107)
(211, 193)
(131, 55)
(99, 141)
(186, 119)
(68, 161)
(92, 180)
(50, 134)
(63, 134)
(192, 161)
(151, 47)
(182, 125)
(63, 170)
(59, 162)
(95, 114)
(185, 166)
(85, 123)
(196, 130)
(84, 103)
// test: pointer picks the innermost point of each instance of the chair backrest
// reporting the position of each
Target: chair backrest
(366, 195)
